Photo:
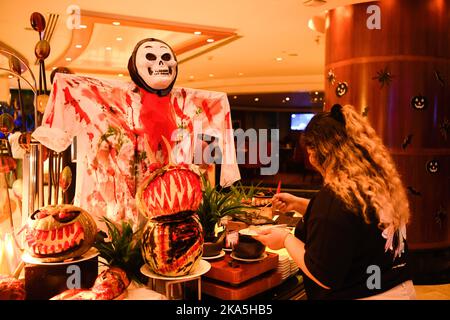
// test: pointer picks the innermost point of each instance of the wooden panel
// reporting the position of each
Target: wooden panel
(245, 291)
(221, 270)
(413, 45)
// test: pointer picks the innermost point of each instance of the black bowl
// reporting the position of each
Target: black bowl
(248, 248)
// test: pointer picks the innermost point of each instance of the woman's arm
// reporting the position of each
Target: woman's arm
(286, 202)
(278, 238)
(296, 249)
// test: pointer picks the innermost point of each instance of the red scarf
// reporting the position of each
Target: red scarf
(157, 119)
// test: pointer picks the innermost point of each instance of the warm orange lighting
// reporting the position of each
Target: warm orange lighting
(240, 74)
(116, 23)
(119, 38)
(279, 59)
(120, 75)
(68, 59)
(198, 33)
(83, 26)
(211, 75)
(287, 98)
(108, 48)
(210, 40)
(78, 46)
(191, 77)
(256, 99)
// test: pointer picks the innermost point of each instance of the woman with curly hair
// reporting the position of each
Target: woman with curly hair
(351, 242)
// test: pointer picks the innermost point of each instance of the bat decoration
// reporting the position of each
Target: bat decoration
(407, 141)
(384, 77)
(413, 191)
(440, 215)
(439, 78)
(444, 128)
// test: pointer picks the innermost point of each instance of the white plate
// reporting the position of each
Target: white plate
(228, 249)
(249, 260)
(202, 268)
(248, 232)
(220, 255)
(92, 252)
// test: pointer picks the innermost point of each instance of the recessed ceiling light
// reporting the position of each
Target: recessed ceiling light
(53, 68)
(68, 59)
(108, 48)
(120, 75)
(316, 93)
(240, 74)
(83, 26)
(116, 23)
(198, 33)
(211, 75)
(287, 99)
(191, 77)
(234, 97)
(256, 99)
(278, 58)
(78, 46)
(10, 76)
(210, 40)
(284, 101)
(119, 38)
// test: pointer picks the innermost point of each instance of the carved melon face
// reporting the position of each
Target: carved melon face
(168, 191)
(60, 231)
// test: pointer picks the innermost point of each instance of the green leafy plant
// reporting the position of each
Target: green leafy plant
(123, 249)
(245, 193)
(216, 205)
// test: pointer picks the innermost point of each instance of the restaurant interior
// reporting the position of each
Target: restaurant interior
(273, 65)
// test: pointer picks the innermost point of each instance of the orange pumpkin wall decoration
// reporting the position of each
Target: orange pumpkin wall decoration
(59, 232)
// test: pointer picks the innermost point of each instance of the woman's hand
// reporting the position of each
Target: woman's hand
(273, 237)
(284, 202)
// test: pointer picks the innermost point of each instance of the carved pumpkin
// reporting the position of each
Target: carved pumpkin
(59, 232)
(173, 248)
(169, 190)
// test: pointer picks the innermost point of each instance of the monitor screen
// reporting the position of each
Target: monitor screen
(299, 121)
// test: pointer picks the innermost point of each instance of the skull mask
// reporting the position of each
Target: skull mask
(153, 66)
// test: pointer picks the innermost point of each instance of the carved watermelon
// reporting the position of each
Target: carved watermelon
(169, 190)
(59, 232)
(173, 248)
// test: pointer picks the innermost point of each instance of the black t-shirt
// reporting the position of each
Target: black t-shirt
(343, 252)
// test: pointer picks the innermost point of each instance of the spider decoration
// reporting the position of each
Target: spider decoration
(444, 128)
(439, 78)
(384, 77)
(331, 77)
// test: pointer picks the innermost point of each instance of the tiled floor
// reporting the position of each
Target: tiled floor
(435, 292)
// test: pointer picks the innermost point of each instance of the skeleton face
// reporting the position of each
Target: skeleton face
(433, 166)
(419, 102)
(156, 64)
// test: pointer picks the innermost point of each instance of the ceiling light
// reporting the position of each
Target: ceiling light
(83, 26)
(256, 99)
(53, 68)
(198, 33)
(116, 23)
(108, 48)
(210, 40)
(78, 46)
(68, 59)
(120, 75)
(119, 38)
(314, 3)
(284, 101)
(240, 74)
(234, 97)
(191, 77)
(279, 59)
(10, 76)
(211, 75)
(287, 99)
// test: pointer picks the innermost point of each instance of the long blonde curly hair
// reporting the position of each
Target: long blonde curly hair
(357, 166)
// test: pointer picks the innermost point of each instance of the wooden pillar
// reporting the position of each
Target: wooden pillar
(411, 52)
